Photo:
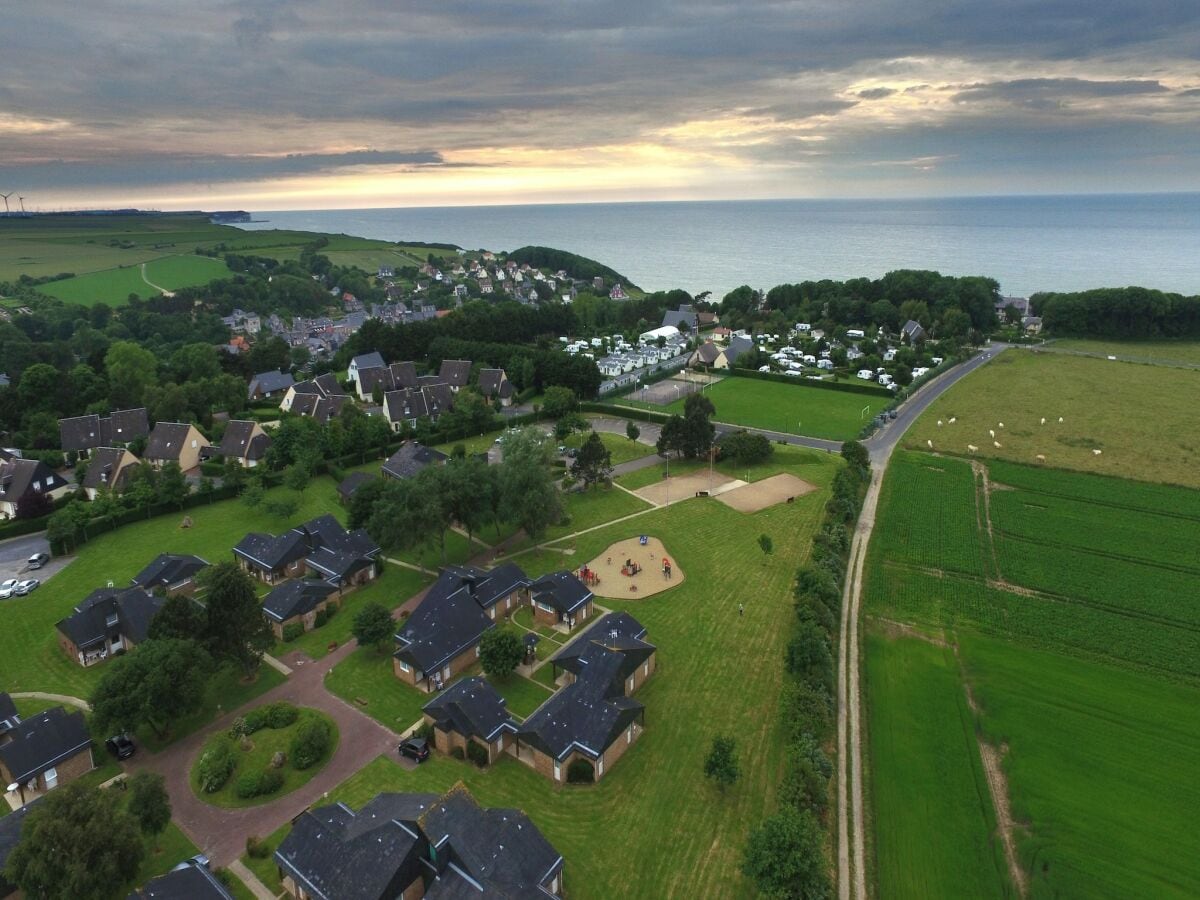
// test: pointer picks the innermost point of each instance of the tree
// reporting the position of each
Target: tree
(296, 476)
(253, 493)
(180, 617)
(469, 489)
(721, 764)
(528, 495)
(593, 465)
(766, 544)
(671, 437)
(157, 682)
(955, 323)
(131, 370)
(857, 456)
(149, 803)
(373, 626)
(559, 401)
(632, 431)
(77, 842)
(784, 856)
(172, 485)
(500, 651)
(745, 448)
(237, 630)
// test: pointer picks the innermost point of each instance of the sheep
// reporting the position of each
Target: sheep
(930, 444)
(1043, 420)
(1060, 420)
(972, 448)
(953, 419)
(1097, 452)
(996, 444)
(1040, 458)
(939, 423)
(992, 433)
(1001, 424)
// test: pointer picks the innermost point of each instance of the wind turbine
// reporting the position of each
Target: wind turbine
(21, 200)
(6, 196)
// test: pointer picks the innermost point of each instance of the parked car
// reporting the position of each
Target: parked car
(7, 588)
(38, 560)
(29, 585)
(121, 746)
(415, 748)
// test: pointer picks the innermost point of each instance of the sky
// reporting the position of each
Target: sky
(289, 104)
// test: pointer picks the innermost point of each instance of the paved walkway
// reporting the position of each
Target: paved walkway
(248, 878)
(53, 698)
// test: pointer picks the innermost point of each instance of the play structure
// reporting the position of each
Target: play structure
(634, 568)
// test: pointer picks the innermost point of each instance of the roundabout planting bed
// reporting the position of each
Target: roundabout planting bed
(269, 752)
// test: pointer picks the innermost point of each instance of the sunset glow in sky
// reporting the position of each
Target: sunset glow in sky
(294, 105)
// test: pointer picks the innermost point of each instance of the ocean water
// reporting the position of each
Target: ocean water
(1028, 244)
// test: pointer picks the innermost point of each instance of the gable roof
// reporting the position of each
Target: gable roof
(367, 361)
(323, 409)
(618, 633)
(18, 477)
(737, 346)
(353, 482)
(296, 598)
(10, 836)
(43, 741)
(187, 881)
(708, 352)
(471, 707)
(79, 432)
(124, 425)
(335, 853)
(445, 623)
(912, 330)
(411, 458)
(681, 318)
(109, 467)
(270, 383)
(325, 532)
(244, 440)
(456, 372)
(374, 377)
(328, 385)
(134, 608)
(404, 374)
(167, 440)
(561, 590)
(87, 432)
(168, 569)
(494, 382)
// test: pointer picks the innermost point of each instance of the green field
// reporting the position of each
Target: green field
(1078, 626)
(1139, 417)
(174, 272)
(1165, 353)
(718, 673)
(789, 408)
(111, 286)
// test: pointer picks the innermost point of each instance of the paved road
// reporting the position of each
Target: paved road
(852, 881)
(16, 551)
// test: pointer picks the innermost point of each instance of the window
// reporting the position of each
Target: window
(600, 767)
(51, 777)
(557, 771)
(111, 620)
(405, 667)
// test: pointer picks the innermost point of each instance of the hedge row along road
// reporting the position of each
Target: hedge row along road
(851, 861)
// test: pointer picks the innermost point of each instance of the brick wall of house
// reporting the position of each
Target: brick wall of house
(68, 647)
(409, 677)
(414, 891)
(446, 741)
(544, 617)
(464, 660)
(293, 889)
(544, 766)
(617, 749)
(644, 671)
(70, 769)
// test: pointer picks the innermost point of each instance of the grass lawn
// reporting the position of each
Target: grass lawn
(33, 661)
(366, 674)
(522, 694)
(1166, 353)
(789, 408)
(926, 778)
(163, 853)
(174, 272)
(392, 588)
(480, 443)
(620, 448)
(264, 744)
(718, 673)
(265, 867)
(786, 458)
(1140, 417)
(111, 286)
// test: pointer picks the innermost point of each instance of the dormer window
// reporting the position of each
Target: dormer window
(112, 620)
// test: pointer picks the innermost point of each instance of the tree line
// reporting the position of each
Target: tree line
(1128, 313)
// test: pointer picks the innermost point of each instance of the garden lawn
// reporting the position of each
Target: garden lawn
(226, 690)
(1140, 417)
(523, 695)
(163, 853)
(367, 675)
(266, 743)
(718, 673)
(33, 660)
(396, 585)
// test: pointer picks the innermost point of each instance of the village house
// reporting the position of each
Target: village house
(560, 599)
(108, 469)
(245, 442)
(10, 835)
(351, 483)
(84, 433)
(683, 319)
(321, 547)
(177, 442)
(321, 409)
(371, 360)
(593, 718)
(170, 574)
(43, 752)
(494, 385)
(714, 356)
(23, 482)
(265, 385)
(109, 620)
(298, 601)
(912, 331)
(190, 880)
(456, 373)
(470, 711)
(410, 459)
(415, 845)
(322, 387)
(441, 637)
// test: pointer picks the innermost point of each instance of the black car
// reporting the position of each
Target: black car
(38, 560)
(415, 748)
(121, 746)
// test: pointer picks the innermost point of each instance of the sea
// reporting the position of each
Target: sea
(1027, 243)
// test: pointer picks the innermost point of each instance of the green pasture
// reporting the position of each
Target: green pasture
(1159, 353)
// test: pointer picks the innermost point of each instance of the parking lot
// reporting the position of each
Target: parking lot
(14, 558)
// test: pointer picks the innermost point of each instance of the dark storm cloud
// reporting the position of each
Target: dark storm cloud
(1038, 91)
(876, 93)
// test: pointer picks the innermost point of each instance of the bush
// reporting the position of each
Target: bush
(580, 771)
(324, 615)
(291, 631)
(477, 754)
(310, 743)
(257, 848)
(280, 715)
(457, 753)
(215, 767)
(258, 784)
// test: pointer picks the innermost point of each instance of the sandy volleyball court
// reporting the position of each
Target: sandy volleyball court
(759, 495)
(649, 581)
(683, 487)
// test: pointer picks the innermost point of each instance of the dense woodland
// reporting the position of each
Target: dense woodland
(1130, 313)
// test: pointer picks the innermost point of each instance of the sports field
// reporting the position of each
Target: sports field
(1070, 598)
(1139, 417)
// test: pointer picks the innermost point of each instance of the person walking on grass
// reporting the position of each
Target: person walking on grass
(741, 609)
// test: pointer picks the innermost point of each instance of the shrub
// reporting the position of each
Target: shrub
(255, 720)
(258, 784)
(324, 615)
(215, 767)
(457, 753)
(257, 848)
(580, 771)
(310, 743)
(292, 630)
(477, 754)
(280, 715)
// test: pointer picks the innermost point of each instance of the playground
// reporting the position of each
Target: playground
(750, 498)
(637, 567)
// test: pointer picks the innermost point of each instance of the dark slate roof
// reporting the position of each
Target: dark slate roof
(43, 741)
(737, 346)
(168, 569)
(306, 387)
(367, 360)
(499, 849)
(8, 719)
(167, 440)
(79, 433)
(683, 318)
(187, 881)
(101, 468)
(353, 482)
(411, 458)
(18, 475)
(404, 374)
(295, 598)
(240, 441)
(471, 707)
(708, 352)
(439, 398)
(336, 565)
(404, 406)
(562, 590)
(270, 382)
(619, 633)
(487, 586)
(376, 376)
(335, 853)
(10, 836)
(912, 330)
(134, 607)
(445, 623)
(328, 385)
(270, 552)
(456, 372)
(124, 425)
(493, 382)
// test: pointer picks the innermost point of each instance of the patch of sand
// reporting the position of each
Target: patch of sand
(684, 487)
(761, 494)
(648, 582)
